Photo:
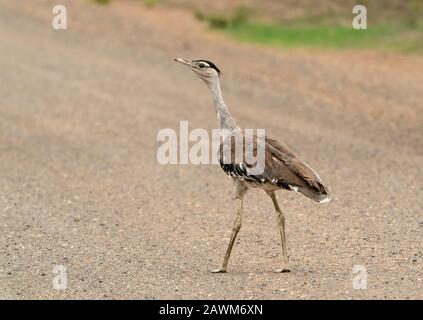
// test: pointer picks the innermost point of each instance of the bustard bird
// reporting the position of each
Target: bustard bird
(282, 169)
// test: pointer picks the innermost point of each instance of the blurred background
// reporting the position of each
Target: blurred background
(81, 187)
(393, 25)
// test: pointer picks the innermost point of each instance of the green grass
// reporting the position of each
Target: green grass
(380, 36)
(150, 3)
(328, 30)
(147, 3)
(103, 2)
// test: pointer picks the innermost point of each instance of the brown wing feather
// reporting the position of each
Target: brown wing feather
(282, 169)
(287, 169)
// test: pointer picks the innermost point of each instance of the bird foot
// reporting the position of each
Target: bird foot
(282, 270)
(220, 270)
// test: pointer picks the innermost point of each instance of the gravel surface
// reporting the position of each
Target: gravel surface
(80, 185)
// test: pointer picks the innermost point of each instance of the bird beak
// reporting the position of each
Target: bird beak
(183, 61)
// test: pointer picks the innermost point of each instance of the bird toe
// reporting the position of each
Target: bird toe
(220, 270)
(282, 270)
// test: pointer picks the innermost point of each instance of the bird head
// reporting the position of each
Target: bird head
(206, 70)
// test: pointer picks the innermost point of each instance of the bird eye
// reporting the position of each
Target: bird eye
(201, 65)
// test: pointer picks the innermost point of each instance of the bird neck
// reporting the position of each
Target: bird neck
(223, 115)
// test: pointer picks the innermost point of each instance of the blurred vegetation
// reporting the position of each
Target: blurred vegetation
(328, 30)
(150, 3)
(147, 3)
(238, 17)
(102, 1)
(395, 36)
(414, 12)
(398, 28)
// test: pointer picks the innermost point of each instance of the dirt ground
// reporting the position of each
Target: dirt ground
(80, 185)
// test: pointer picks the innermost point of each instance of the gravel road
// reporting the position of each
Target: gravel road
(80, 185)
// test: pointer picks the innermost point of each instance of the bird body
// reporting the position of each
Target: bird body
(281, 169)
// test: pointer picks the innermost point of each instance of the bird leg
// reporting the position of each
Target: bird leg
(240, 190)
(281, 225)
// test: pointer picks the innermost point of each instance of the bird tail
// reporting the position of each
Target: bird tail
(319, 194)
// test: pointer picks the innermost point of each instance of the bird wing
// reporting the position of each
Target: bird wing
(281, 167)
(289, 172)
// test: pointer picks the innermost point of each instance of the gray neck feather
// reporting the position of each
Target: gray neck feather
(223, 115)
